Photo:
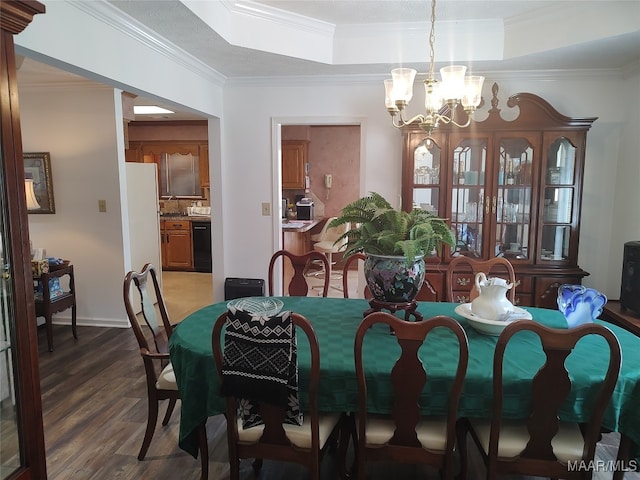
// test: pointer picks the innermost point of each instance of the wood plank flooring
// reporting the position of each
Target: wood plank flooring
(95, 407)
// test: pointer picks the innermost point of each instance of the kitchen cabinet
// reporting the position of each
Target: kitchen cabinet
(183, 167)
(176, 244)
(204, 166)
(510, 189)
(294, 160)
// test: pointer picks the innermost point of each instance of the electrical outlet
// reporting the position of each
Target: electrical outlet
(102, 205)
(266, 209)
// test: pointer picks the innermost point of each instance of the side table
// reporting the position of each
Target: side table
(614, 313)
(47, 306)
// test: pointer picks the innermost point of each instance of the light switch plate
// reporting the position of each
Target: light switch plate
(266, 209)
(102, 205)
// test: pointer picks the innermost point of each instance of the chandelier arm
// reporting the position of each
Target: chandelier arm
(447, 120)
(417, 119)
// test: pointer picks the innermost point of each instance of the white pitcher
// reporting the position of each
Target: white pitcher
(492, 301)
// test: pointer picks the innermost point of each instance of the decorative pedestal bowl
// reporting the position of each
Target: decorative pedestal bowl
(580, 304)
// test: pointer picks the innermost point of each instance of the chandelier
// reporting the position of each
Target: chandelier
(455, 88)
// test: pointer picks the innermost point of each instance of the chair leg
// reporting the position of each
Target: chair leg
(203, 446)
(347, 431)
(461, 434)
(74, 330)
(167, 416)
(49, 325)
(152, 419)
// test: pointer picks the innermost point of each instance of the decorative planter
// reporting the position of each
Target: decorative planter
(390, 279)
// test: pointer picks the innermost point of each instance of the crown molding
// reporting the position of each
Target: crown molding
(117, 19)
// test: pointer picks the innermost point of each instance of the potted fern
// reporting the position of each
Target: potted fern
(394, 242)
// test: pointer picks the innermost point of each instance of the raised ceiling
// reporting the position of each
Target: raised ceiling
(282, 38)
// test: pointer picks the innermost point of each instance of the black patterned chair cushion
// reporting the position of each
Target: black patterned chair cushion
(260, 364)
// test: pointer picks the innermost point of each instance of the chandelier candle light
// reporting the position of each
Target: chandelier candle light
(454, 89)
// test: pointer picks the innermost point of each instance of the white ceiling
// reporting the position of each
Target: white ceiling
(233, 37)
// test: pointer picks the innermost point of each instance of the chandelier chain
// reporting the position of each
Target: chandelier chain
(432, 39)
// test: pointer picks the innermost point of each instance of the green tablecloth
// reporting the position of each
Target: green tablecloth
(335, 321)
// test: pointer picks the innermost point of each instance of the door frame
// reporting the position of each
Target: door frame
(276, 155)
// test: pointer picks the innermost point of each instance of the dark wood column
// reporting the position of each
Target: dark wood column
(15, 16)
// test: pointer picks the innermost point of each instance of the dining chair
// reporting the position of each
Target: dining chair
(461, 286)
(345, 275)
(542, 444)
(274, 437)
(161, 379)
(298, 286)
(406, 435)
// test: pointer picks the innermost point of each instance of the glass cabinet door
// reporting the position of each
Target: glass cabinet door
(426, 176)
(468, 167)
(559, 192)
(514, 198)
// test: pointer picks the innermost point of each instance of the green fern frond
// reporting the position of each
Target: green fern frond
(378, 228)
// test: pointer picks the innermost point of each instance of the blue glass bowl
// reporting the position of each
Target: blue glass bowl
(580, 304)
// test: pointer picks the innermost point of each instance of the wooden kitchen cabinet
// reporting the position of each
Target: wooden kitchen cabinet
(204, 166)
(509, 188)
(294, 160)
(191, 161)
(176, 244)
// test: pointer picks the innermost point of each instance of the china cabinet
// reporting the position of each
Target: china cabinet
(509, 188)
(22, 450)
(294, 160)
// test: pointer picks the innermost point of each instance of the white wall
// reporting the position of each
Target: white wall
(78, 128)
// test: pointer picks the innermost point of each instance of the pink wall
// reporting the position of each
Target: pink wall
(333, 149)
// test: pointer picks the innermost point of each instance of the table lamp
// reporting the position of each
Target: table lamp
(32, 202)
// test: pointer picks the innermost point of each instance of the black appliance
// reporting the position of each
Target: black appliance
(630, 289)
(201, 237)
(243, 287)
(304, 208)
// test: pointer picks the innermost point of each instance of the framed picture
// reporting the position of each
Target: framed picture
(37, 166)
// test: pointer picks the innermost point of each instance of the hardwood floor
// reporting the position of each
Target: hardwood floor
(94, 407)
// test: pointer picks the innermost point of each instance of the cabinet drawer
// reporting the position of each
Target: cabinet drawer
(524, 284)
(177, 225)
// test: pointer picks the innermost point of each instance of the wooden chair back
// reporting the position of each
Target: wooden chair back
(461, 272)
(273, 444)
(298, 286)
(408, 378)
(138, 284)
(345, 277)
(550, 386)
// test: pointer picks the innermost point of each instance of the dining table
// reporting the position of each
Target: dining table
(335, 321)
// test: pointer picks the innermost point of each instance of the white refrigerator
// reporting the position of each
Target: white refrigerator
(144, 216)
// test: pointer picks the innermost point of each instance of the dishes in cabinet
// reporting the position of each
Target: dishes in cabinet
(491, 327)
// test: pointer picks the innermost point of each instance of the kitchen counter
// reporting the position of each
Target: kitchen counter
(296, 238)
(300, 226)
(180, 216)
